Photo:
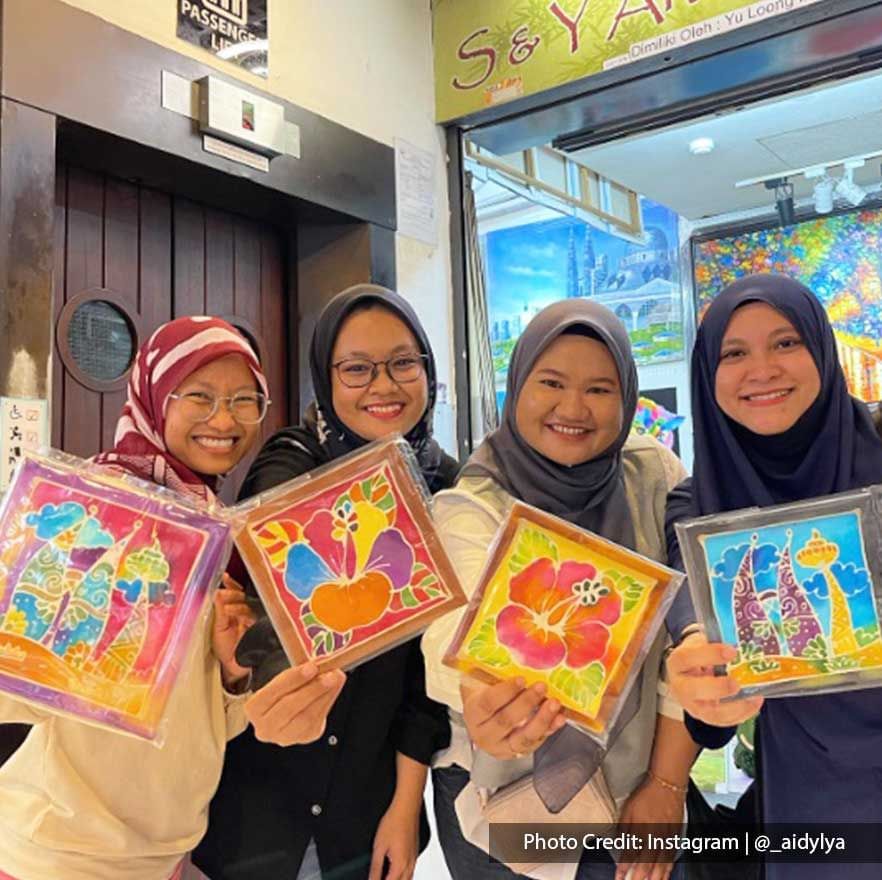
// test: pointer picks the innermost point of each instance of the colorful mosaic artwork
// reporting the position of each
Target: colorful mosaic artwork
(561, 606)
(835, 257)
(347, 562)
(101, 585)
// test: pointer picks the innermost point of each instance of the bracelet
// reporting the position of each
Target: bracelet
(677, 789)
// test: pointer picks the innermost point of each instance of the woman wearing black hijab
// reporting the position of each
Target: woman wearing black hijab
(774, 422)
(346, 793)
(564, 446)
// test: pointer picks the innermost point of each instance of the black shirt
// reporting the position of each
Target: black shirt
(272, 800)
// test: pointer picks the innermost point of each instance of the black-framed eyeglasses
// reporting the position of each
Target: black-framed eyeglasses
(247, 408)
(360, 372)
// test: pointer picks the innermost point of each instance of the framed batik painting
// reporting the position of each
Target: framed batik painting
(102, 582)
(346, 559)
(792, 587)
(559, 605)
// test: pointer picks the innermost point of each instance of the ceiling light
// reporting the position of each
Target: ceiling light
(823, 195)
(850, 191)
(701, 146)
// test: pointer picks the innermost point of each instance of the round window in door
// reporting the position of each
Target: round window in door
(97, 339)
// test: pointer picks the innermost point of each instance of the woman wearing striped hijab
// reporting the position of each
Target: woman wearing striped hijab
(80, 803)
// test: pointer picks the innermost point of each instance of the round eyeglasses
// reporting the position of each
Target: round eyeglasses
(360, 372)
(247, 408)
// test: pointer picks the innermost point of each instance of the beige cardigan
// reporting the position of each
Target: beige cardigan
(468, 517)
(81, 803)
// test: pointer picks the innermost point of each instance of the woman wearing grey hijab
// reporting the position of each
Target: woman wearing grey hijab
(565, 447)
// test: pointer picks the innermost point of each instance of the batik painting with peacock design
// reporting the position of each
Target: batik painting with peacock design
(101, 583)
(347, 561)
(559, 605)
(796, 598)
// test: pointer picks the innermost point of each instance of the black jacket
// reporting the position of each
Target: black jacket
(273, 800)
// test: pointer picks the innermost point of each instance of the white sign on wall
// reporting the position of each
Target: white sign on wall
(415, 192)
(24, 424)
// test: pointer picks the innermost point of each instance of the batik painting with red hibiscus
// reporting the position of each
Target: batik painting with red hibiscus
(557, 611)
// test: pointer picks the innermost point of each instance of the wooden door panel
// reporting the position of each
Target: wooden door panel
(189, 271)
(85, 233)
(121, 261)
(274, 313)
(160, 257)
(219, 263)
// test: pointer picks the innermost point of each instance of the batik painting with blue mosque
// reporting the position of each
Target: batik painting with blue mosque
(101, 584)
(796, 597)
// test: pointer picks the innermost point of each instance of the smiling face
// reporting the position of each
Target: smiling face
(384, 406)
(218, 445)
(570, 407)
(766, 378)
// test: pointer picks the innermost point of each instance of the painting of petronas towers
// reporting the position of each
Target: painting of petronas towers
(796, 598)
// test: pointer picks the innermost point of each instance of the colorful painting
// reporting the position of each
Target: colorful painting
(792, 588)
(347, 561)
(837, 257)
(529, 267)
(565, 607)
(655, 416)
(101, 585)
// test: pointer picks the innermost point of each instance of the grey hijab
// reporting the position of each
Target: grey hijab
(590, 495)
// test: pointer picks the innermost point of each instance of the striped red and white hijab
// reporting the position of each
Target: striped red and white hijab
(175, 351)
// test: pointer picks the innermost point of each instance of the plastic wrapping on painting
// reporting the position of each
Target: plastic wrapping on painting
(346, 559)
(560, 605)
(796, 588)
(103, 580)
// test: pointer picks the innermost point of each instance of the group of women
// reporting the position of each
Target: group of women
(274, 772)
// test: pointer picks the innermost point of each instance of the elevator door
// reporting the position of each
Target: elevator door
(129, 258)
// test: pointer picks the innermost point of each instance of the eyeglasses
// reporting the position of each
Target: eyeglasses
(360, 372)
(200, 406)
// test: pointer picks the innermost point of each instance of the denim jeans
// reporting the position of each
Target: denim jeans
(465, 861)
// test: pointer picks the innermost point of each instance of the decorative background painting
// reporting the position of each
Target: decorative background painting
(656, 415)
(349, 564)
(529, 267)
(796, 598)
(839, 258)
(563, 607)
(100, 588)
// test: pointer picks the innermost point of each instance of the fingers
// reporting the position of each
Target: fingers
(707, 689)
(491, 698)
(307, 725)
(726, 714)
(377, 861)
(693, 656)
(301, 685)
(661, 872)
(528, 737)
(231, 584)
(230, 607)
(502, 722)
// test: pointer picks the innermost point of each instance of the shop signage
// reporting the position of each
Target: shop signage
(234, 30)
(487, 52)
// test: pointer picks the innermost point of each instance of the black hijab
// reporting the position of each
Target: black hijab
(592, 494)
(323, 436)
(832, 447)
